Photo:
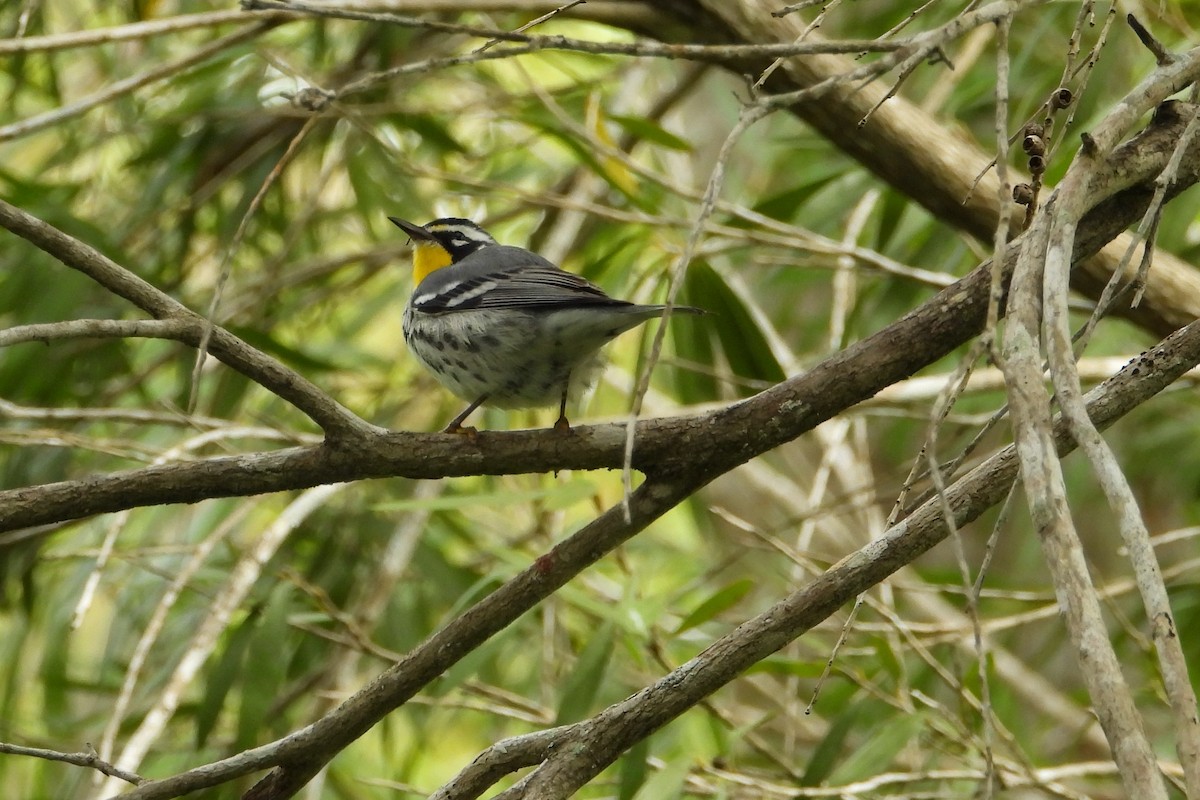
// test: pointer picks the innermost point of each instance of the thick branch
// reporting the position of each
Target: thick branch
(704, 446)
(680, 455)
(915, 153)
(593, 745)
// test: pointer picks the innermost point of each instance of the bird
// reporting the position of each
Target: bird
(502, 325)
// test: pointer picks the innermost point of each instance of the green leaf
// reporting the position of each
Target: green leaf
(587, 157)
(777, 665)
(265, 667)
(646, 130)
(787, 204)
(732, 328)
(824, 756)
(222, 676)
(890, 735)
(431, 131)
(297, 358)
(668, 782)
(632, 770)
(891, 211)
(580, 689)
(723, 599)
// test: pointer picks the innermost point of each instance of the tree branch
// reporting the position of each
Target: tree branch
(175, 329)
(89, 759)
(679, 456)
(917, 154)
(1040, 282)
(334, 419)
(503, 758)
(705, 446)
(592, 745)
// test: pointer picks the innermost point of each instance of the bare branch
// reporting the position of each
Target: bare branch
(534, 43)
(135, 415)
(596, 743)
(679, 455)
(615, 13)
(229, 349)
(896, 147)
(96, 329)
(1041, 277)
(503, 758)
(1162, 56)
(87, 759)
(712, 443)
(1056, 334)
(134, 31)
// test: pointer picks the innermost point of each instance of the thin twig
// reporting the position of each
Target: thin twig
(333, 418)
(239, 582)
(85, 759)
(748, 117)
(600, 740)
(47, 332)
(179, 66)
(227, 260)
(143, 29)
(533, 23)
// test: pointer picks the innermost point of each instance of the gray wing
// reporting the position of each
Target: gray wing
(507, 277)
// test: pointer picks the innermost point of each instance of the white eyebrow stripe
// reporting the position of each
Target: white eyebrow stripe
(464, 234)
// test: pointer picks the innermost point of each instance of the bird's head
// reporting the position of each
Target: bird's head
(442, 242)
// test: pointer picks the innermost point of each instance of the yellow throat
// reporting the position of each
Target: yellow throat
(428, 257)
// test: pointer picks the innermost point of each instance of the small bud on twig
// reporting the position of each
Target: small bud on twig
(1023, 194)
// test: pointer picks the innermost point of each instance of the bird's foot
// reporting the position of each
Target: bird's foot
(459, 429)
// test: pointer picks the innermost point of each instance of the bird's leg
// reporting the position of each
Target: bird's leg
(561, 423)
(456, 424)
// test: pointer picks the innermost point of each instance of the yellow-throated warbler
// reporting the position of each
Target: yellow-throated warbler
(502, 325)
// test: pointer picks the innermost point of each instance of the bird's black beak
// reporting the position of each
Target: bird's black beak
(414, 231)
